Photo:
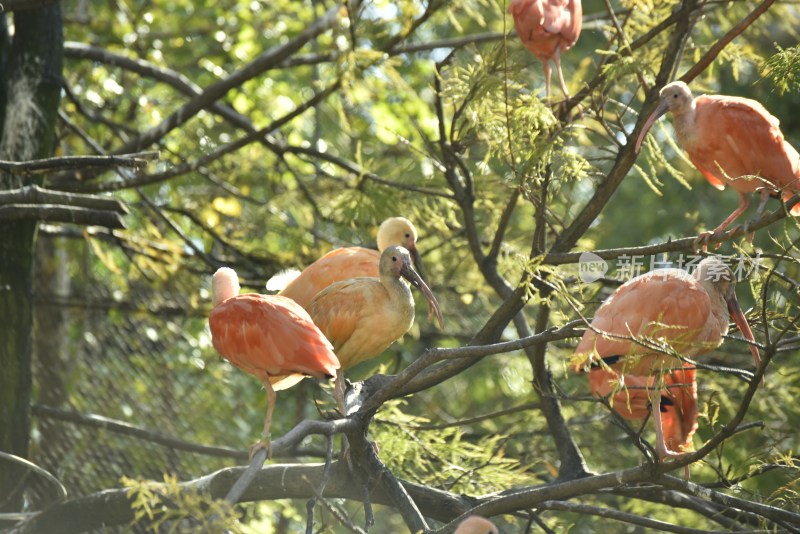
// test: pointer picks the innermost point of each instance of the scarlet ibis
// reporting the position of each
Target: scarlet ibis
(268, 336)
(363, 316)
(546, 28)
(475, 524)
(732, 141)
(649, 320)
(352, 262)
(630, 398)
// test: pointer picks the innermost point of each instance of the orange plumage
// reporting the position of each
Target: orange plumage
(732, 141)
(271, 337)
(630, 398)
(546, 28)
(352, 262)
(363, 316)
(646, 322)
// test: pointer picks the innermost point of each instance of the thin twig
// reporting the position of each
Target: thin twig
(120, 427)
(585, 509)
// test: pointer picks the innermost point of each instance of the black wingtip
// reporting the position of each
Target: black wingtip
(608, 360)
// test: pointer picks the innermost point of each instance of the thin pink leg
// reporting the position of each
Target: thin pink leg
(744, 201)
(661, 446)
(266, 439)
(557, 60)
(547, 79)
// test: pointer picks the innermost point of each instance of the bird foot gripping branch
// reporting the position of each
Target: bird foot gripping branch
(264, 444)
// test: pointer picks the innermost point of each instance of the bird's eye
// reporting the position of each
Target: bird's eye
(675, 95)
(408, 235)
(394, 258)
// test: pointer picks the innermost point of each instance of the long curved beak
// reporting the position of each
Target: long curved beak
(418, 263)
(414, 279)
(741, 322)
(662, 108)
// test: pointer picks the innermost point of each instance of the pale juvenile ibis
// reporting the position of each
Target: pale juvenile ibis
(352, 262)
(363, 316)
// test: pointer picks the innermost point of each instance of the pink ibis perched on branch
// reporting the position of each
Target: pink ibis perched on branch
(643, 327)
(546, 28)
(268, 336)
(732, 141)
(353, 262)
(363, 316)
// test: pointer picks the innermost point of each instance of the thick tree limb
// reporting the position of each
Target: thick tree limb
(65, 214)
(33, 194)
(287, 481)
(48, 165)
(33, 203)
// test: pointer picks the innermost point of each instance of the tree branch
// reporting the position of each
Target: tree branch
(279, 481)
(64, 214)
(720, 45)
(266, 61)
(138, 160)
(609, 513)
(682, 244)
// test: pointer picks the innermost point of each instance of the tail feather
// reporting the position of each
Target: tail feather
(282, 279)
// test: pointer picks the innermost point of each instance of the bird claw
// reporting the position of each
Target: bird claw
(701, 243)
(746, 230)
(667, 457)
(265, 443)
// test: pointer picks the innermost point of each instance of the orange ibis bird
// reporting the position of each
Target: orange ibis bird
(268, 336)
(651, 319)
(732, 141)
(629, 396)
(476, 524)
(352, 262)
(546, 28)
(363, 316)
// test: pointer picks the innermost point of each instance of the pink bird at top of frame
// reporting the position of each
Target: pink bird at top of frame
(547, 28)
